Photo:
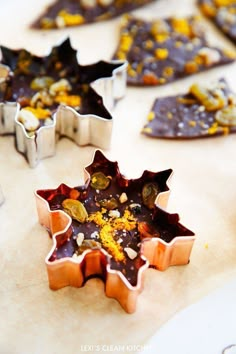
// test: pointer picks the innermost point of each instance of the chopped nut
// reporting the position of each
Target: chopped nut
(28, 119)
(135, 208)
(123, 198)
(59, 87)
(80, 238)
(87, 4)
(130, 252)
(114, 213)
(105, 2)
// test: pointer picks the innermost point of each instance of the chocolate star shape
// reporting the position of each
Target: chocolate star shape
(44, 98)
(112, 227)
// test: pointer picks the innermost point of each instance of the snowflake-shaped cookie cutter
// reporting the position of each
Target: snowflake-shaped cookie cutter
(112, 227)
(74, 100)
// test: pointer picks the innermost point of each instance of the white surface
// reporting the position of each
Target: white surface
(206, 327)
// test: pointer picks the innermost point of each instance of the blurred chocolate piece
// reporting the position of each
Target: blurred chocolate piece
(222, 13)
(203, 112)
(68, 13)
(164, 50)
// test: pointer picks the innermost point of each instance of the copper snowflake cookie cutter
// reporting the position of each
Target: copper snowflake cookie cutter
(113, 228)
(44, 98)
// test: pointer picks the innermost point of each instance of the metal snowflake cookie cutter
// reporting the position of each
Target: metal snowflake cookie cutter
(55, 96)
(113, 228)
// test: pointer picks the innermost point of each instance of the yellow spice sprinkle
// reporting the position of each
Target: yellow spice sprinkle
(161, 53)
(69, 19)
(131, 72)
(151, 116)
(40, 113)
(225, 130)
(108, 228)
(224, 2)
(213, 129)
(208, 10)
(161, 37)
(181, 25)
(126, 42)
(168, 71)
(148, 44)
(70, 100)
(192, 123)
(121, 55)
(191, 67)
(162, 80)
(114, 248)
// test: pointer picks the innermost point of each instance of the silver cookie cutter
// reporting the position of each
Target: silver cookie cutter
(83, 129)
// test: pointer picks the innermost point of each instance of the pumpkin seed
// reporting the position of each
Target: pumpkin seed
(100, 181)
(212, 99)
(109, 204)
(149, 193)
(75, 209)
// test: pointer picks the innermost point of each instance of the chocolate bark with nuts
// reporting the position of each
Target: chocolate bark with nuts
(222, 13)
(202, 112)
(41, 84)
(164, 50)
(67, 13)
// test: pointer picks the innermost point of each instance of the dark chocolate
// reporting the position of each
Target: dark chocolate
(185, 117)
(164, 50)
(67, 13)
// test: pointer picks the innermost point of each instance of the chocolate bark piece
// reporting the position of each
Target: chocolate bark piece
(164, 50)
(222, 13)
(68, 13)
(202, 112)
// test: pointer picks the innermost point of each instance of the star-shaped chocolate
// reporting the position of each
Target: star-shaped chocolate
(112, 227)
(52, 96)
(68, 13)
(222, 13)
(205, 111)
(165, 50)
